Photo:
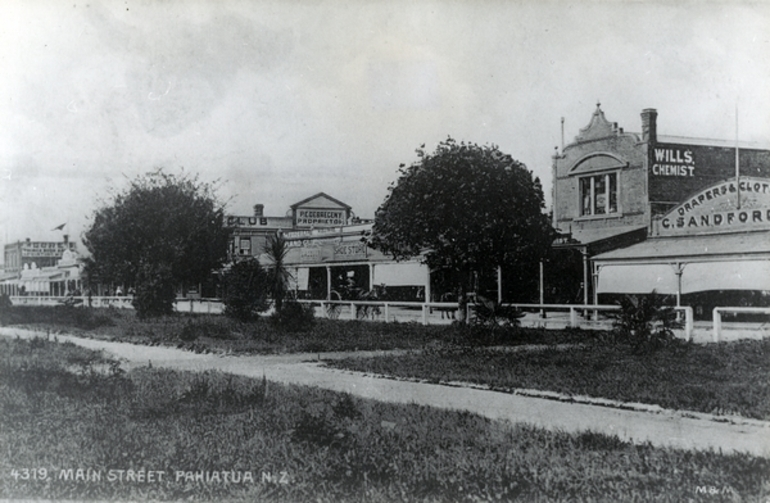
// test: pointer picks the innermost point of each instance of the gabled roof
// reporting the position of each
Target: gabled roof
(317, 196)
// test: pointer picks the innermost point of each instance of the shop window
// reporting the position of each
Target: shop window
(599, 194)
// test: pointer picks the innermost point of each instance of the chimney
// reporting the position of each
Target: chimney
(649, 125)
(259, 210)
(66, 239)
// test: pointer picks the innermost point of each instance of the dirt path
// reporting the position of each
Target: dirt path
(662, 428)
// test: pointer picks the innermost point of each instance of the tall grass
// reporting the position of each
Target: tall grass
(325, 446)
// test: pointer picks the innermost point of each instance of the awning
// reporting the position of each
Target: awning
(401, 274)
(637, 278)
(726, 275)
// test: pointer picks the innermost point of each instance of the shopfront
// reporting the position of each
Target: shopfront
(712, 249)
(686, 217)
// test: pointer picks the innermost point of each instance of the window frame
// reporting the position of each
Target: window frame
(591, 178)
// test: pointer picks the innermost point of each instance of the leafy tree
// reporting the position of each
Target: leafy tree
(278, 276)
(164, 231)
(245, 287)
(466, 208)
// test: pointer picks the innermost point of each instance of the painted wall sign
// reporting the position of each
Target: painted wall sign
(310, 255)
(673, 162)
(677, 170)
(44, 249)
(715, 209)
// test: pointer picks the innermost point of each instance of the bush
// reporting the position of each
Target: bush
(645, 323)
(245, 290)
(294, 317)
(5, 301)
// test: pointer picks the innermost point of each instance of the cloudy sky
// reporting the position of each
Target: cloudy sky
(283, 99)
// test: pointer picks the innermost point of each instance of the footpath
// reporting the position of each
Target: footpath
(632, 422)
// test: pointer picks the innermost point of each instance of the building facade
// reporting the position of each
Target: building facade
(40, 253)
(42, 268)
(682, 216)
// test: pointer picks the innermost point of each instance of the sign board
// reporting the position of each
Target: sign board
(307, 217)
(350, 251)
(50, 249)
(715, 209)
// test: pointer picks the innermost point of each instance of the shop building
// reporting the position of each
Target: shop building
(337, 263)
(685, 217)
(27, 253)
(35, 277)
(250, 232)
(328, 255)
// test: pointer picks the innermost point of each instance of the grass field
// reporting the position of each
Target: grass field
(202, 332)
(165, 435)
(726, 378)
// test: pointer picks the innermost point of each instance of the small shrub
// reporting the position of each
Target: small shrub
(489, 313)
(5, 301)
(645, 323)
(294, 317)
(245, 290)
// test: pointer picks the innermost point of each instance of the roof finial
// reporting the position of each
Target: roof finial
(598, 104)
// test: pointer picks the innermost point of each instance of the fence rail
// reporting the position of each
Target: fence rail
(385, 310)
(717, 334)
(204, 305)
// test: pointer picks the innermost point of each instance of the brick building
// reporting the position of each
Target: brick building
(649, 211)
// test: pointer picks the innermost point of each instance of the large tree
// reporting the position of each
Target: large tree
(466, 208)
(162, 232)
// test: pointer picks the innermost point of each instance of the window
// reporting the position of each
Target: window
(599, 194)
(245, 245)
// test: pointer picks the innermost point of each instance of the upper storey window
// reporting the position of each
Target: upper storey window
(597, 178)
(599, 194)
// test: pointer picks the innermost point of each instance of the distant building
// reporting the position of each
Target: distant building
(42, 268)
(328, 255)
(39, 253)
(249, 233)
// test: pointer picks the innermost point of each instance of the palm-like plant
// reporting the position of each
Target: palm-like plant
(645, 322)
(276, 250)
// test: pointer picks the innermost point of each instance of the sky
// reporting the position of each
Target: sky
(274, 101)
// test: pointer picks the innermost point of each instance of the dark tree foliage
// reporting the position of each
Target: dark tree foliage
(245, 287)
(467, 208)
(161, 233)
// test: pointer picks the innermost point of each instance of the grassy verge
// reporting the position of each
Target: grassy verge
(201, 332)
(63, 408)
(727, 378)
